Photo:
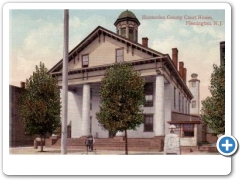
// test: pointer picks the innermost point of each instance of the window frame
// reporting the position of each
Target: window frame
(132, 34)
(87, 55)
(189, 130)
(148, 92)
(147, 125)
(174, 95)
(194, 104)
(116, 56)
(121, 29)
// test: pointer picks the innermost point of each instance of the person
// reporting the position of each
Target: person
(89, 143)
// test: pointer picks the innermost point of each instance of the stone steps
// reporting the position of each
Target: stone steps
(134, 144)
(208, 148)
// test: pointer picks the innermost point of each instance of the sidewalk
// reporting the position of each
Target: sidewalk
(57, 151)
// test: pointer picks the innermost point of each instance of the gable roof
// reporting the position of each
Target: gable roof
(95, 34)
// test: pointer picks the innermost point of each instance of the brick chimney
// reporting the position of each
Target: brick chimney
(22, 84)
(181, 69)
(185, 75)
(145, 41)
(175, 57)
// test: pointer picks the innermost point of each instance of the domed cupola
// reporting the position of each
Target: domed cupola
(127, 25)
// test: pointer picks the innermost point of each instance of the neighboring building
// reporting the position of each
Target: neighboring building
(222, 52)
(167, 96)
(17, 135)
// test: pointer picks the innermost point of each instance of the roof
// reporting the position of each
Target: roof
(96, 33)
(102, 31)
(127, 15)
(184, 118)
(193, 80)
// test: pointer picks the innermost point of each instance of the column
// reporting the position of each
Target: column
(159, 125)
(86, 110)
(127, 31)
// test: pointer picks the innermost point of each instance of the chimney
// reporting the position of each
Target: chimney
(181, 69)
(22, 84)
(185, 75)
(175, 57)
(145, 41)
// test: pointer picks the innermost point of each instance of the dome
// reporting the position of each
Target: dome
(127, 15)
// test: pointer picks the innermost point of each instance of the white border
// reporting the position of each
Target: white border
(114, 165)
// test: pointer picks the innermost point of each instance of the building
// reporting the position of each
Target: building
(168, 98)
(17, 136)
(222, 52)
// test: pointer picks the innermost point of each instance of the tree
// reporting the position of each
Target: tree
(122, 97)
(39, 104)
(213, 108)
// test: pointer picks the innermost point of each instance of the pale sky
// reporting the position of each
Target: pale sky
(37, 36)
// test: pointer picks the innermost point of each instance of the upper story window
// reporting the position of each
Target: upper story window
(85, 60)
(193, 104)
(179, 101)
(148, 90)
(194, 84)
(174, 95)
(123, 31)
(119, 55)
(131, 34)
(183, 104)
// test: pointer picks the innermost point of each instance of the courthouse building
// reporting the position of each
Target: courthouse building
(168, 97)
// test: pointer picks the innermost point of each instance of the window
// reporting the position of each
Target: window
(91, 93)
(174, 95)
(119, 55)
(148, 90)
(136, 35)
(90, 125)
(193, 104)
(182, 104)
(148, 123)
(188, 130)
(85, 60)
(179, 102)
(186, 106)
(123, 32)
(131, 35)
(194, 84)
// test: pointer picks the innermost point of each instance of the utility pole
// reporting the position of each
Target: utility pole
(65, 85)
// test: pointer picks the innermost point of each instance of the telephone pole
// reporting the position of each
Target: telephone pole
(65, 84)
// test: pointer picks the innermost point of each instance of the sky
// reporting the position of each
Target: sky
(36, 36)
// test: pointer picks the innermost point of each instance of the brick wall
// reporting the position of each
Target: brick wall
(211, 138)
(17, 136)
